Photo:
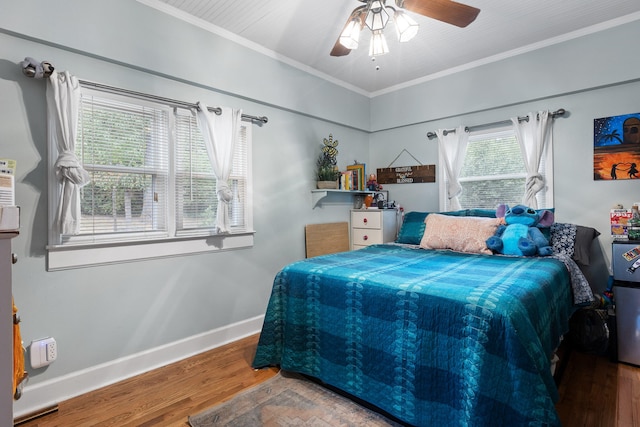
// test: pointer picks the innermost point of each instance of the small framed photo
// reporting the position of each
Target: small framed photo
(380, 195)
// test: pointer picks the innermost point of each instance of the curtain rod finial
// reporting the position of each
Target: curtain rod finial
(29, 71)
(34, 69)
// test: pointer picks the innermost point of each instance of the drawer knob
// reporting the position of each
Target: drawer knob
(365, 220)
(365, 238)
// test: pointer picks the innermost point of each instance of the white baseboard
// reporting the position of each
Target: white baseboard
(51, 392)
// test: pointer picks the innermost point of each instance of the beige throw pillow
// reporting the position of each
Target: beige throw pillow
(462, 234)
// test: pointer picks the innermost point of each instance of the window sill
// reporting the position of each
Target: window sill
(78, 256)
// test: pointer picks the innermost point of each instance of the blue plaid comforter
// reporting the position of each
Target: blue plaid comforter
(431, 337)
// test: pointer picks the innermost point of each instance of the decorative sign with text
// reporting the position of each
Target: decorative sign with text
(407, 174)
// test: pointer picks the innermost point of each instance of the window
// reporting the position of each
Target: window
(196, 201)
(125, 148)
(494, 172)
(151, 183)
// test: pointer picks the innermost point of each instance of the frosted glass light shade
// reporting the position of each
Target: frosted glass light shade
(351, 34)
(378, 44)
(377, 17)
(406, 27)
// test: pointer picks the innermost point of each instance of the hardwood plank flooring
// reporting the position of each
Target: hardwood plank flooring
(594, 392)
(165, 396)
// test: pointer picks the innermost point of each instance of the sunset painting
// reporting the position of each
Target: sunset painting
(616, 147)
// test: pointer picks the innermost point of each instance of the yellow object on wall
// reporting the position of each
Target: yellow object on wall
(19, 373)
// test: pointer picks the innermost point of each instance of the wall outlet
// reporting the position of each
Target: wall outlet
(43, 352)
(52, 350)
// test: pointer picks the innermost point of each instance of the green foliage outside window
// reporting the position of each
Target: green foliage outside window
(117, 139)
(493, 171)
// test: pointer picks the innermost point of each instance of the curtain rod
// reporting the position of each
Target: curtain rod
(556, 113)
(32, 69)
(174, 102)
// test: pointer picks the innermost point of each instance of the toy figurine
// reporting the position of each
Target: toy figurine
(372, 183)
(520, 234)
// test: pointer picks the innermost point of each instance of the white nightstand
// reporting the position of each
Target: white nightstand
(373, 226)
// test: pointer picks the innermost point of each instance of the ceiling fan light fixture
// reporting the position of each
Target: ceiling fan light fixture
(406, 27)
(351, 34)
(377, 16)
(378, 44)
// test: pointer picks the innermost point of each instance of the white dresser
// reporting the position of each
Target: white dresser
(373, 226)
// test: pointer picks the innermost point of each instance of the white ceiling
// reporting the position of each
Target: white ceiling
(302, 33)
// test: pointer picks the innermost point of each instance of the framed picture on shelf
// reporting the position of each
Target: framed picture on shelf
(380, 198)
(359, 179)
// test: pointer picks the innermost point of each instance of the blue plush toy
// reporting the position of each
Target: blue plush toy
(521, 235)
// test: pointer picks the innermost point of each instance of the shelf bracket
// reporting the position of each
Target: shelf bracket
(316, 196)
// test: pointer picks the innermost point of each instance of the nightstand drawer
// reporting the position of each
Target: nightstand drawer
(366, 237)
(372, 227)
(371, 219)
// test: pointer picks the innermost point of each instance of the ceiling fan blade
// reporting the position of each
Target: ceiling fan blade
(339, 49)
(448, 11)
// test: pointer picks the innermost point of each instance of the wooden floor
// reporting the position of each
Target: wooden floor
(593, 392)
(597, 392)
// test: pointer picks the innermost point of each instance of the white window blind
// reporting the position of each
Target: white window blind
(125, 149)
(196, 201)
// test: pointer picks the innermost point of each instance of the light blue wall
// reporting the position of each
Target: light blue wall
(138, 36)
(591, 77)
(595, 60)
(101, 314)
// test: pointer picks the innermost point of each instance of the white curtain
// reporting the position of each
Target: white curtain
(533, 135)
(63, 105)
(453, 147)
(220, 134)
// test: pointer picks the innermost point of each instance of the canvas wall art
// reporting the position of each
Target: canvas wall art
(616, 147)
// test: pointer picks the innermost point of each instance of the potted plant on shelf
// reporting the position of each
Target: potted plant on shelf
(327, 172)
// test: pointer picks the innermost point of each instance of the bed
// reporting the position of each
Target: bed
(430, 336)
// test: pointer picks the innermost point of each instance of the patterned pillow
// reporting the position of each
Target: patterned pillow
(563, 238)
(462, 234)
(573, 240)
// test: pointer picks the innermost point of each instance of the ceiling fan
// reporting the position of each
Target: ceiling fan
(374, 15)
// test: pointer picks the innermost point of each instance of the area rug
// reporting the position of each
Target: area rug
(289, 399)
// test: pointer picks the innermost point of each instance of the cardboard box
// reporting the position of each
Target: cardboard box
(619, 220)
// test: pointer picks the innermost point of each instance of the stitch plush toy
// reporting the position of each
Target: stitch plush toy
(521, 235)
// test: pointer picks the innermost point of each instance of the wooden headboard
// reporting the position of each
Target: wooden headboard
(327, 238)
